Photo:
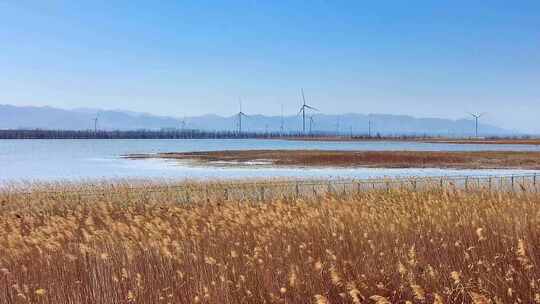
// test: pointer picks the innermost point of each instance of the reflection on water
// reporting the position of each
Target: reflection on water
(100, 159)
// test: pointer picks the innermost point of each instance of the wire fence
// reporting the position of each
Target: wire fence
(267, 190)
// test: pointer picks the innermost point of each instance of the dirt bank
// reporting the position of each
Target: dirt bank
(379, 159)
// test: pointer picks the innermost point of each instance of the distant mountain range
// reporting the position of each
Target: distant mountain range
(18, 117)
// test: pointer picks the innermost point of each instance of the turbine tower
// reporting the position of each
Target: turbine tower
(240, 115)
(303, 111)
(476, 117)
(183, 124)
(95, 123)
(282, 122)
(370, 123)
(310, 124)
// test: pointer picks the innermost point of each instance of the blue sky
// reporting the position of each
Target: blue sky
(421, 58)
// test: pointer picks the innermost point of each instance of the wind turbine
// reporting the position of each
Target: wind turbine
(183, 124)
(240, 114)
(303, 111)
(95, 123)
(370, 125)
(476, 117)
(282, 122)
(310, 124)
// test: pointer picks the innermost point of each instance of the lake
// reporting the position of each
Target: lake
(54, 160)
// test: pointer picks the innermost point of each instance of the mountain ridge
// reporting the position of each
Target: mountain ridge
(46, 117)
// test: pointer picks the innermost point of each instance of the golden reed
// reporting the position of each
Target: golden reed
(397, 246)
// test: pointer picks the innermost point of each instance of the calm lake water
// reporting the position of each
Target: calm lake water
(52, 160)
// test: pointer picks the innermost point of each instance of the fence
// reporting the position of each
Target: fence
(508, 183)
(264, 190)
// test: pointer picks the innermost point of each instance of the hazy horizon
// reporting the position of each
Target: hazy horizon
(429, 59)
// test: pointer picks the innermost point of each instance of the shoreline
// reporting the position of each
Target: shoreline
(460, 141)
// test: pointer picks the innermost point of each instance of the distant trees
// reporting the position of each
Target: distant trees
(133, 134)
(199, 134)
(116, 134)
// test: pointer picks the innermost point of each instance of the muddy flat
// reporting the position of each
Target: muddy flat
(463, 141)
(486, 141)
(372, 159)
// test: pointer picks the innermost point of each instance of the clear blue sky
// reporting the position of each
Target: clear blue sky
(423, 58)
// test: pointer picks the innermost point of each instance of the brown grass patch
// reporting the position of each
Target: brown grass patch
(496, 141)
(487, 141)
(382, 159)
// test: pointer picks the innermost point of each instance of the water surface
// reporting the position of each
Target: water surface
(50, 160)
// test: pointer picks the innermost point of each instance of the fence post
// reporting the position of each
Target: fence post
(441, 183)
(226, 194)
(489, 183)
(262, 193)
(297, 190)
(512, 178)
(466, 183)
(534, 183)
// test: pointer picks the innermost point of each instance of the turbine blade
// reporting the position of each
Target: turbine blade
(312, 108)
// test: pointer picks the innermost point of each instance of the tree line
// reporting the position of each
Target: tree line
(121, 134)
(195, 134)
(141, 134)
(159, 134)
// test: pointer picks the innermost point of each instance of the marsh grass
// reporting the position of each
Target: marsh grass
(396, 246)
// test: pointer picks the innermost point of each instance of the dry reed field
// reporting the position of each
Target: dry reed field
(395, 246)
